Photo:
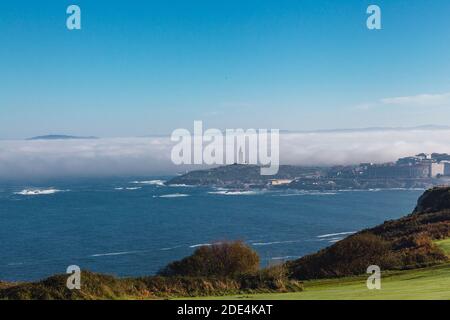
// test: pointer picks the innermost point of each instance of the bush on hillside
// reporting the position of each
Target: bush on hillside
(98, 286)
(227, 259)
(350, 256)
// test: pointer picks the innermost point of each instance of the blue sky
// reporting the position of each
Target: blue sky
(149, 67)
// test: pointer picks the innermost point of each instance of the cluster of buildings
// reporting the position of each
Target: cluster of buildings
(420, 166)
(417, 171)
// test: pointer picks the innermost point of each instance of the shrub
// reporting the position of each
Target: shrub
(350, 256)
(228, 259)
(272, 279)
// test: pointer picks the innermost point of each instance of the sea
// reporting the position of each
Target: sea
(135, 226)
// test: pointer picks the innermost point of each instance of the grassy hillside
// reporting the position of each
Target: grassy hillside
(430, 283)
(405, 243)
(221, 269)
(104, 287)
(444, 245)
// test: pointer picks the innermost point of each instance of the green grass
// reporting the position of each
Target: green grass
(428, 283)
(444, 245)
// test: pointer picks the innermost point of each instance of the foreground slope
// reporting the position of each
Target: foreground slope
(432, 283)
(405, 243)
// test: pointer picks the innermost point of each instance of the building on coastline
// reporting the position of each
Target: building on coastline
(416, 167)
(393, 170)
(446, 168)
(437, 169)
(280, 182)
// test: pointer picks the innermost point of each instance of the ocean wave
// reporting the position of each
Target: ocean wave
(200, 245)
(151, 182)
(128, 188)
(335, 234)
(174, 195)
(235, 193)
(305, 193)
(134, 188)
(181, 185)
(171, 248)
(274, 242)
(382, 189)
(112, 254)
(285, 258)
(37, 192)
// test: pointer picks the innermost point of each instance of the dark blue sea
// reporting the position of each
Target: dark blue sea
(135, 226)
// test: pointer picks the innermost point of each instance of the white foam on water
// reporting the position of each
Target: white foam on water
(174, 195)
(274, 242)
(334, 240)
(335, 234)
(306, 193)
(200, 245)
(38, 192)
(151, 182)
(182, 185)
(285, 258)
(171, 248)
(112, 254)
(235, 193)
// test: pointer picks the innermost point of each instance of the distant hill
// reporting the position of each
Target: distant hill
(60, 137)
(241, 176)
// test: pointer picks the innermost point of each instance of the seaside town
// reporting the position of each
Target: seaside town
(419, 171)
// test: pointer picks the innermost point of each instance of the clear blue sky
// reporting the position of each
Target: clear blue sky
(144, 67)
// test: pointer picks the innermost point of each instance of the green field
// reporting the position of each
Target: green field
(444, 245)
(426, 283)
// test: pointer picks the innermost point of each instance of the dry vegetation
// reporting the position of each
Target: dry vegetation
(405, 243)
(227, 268)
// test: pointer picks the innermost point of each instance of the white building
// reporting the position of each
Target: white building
(280, 182)
(437, 169)
(446, 167)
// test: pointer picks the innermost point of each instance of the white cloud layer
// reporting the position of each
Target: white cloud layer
(421, 100)
(21, 159)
